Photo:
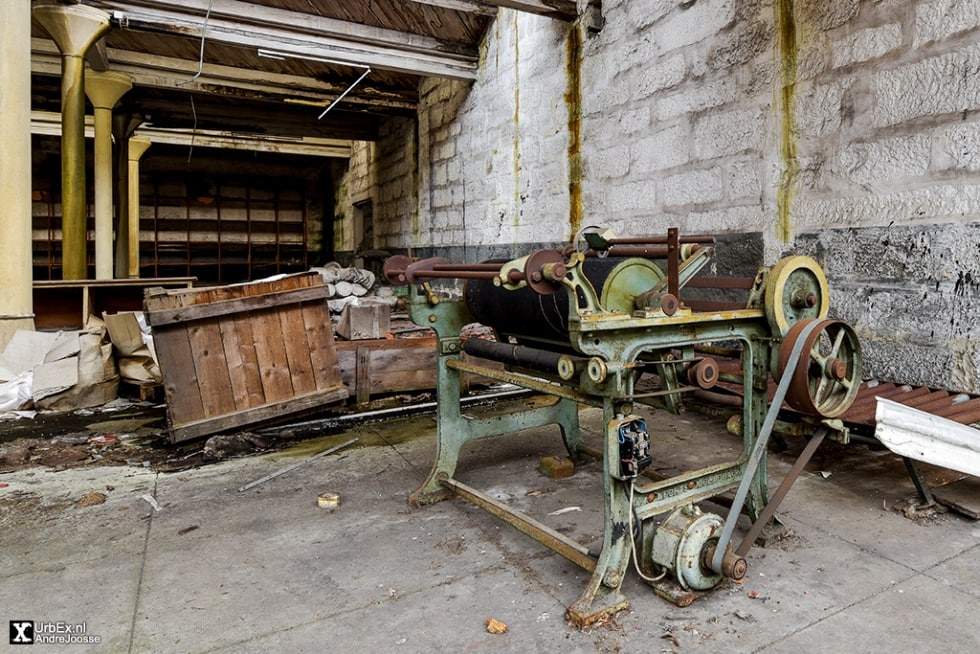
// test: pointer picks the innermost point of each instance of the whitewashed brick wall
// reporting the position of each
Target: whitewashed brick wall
(874, 166)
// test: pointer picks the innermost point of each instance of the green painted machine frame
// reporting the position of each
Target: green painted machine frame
(612, 347)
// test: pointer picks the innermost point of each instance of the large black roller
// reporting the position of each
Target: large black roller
(543, 319)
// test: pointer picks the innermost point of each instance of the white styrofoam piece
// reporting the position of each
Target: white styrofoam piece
(918, 435)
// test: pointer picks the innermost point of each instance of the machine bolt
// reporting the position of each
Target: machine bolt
(691, 485)
(836, 368)
(804, 299)
(432, 317)
(612, 579)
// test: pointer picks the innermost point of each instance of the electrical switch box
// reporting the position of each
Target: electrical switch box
(632, 446)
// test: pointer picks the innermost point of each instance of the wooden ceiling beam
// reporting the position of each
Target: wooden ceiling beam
(172, 73)
(49, 124)
(560, 9)
(298, 34)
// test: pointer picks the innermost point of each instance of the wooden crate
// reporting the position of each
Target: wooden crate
(379, 366)
(242, 355)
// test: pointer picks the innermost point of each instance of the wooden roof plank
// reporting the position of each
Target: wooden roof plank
(302, 34)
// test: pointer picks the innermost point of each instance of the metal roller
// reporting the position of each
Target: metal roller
(518, 355)
(529, 316)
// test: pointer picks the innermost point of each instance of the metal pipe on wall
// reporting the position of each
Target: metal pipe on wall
(73, 28)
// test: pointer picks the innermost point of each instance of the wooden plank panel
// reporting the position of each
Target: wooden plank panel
(297, 350)
(362, 375)
(224, 307)
(257, 415)
(180, 381)
(319, 340)
(214, 382)
(243, 368)
(271, 354)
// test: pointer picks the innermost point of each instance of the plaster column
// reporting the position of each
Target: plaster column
(123, 126)
(16, 300)
(104, 91)
(137, 146)
(73, 28)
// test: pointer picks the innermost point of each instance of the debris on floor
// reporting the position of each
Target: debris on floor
(495, 626)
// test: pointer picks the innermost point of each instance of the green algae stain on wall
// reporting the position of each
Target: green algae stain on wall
(573, 102)
(787, 51)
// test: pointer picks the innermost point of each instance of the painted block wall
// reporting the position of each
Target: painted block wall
(848, 130)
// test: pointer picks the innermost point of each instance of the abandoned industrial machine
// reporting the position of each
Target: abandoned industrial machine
(598, 323)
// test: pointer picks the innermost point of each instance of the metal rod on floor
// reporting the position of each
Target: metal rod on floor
(283, 471)
(577, 554)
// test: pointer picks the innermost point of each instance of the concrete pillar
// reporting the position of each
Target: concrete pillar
(16, 300)
(104, 91)
(123, 126)
(137, 146)
(74, 28)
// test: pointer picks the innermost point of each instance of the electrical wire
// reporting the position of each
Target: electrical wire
(200, 70)
(636, 563)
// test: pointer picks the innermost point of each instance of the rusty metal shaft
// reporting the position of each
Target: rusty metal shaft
(542, 533)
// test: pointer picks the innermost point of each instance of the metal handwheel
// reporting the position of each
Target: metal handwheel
(795, 289)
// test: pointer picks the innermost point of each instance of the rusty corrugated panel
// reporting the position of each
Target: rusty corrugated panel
(959, 407)
(963, 408)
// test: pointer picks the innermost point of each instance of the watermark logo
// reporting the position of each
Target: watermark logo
(31, 632)
(21, 632)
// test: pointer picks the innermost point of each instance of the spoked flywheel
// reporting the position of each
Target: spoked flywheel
(826, 379)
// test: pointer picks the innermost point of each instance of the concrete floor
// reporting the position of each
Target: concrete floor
(217, 570)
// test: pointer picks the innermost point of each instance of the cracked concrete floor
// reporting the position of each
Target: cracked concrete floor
(217, 570)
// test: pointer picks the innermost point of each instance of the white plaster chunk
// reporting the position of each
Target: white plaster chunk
(931, 87)
(866, 44)
(938, 20)
(692, 187)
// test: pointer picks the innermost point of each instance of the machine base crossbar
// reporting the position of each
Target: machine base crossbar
(542, 533)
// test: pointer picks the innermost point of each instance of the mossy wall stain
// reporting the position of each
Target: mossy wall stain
(416, 173)
(573, 102)
(787, 50)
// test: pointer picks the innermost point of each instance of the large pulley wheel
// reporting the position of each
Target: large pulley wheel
(796, 288)
(826, 378)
